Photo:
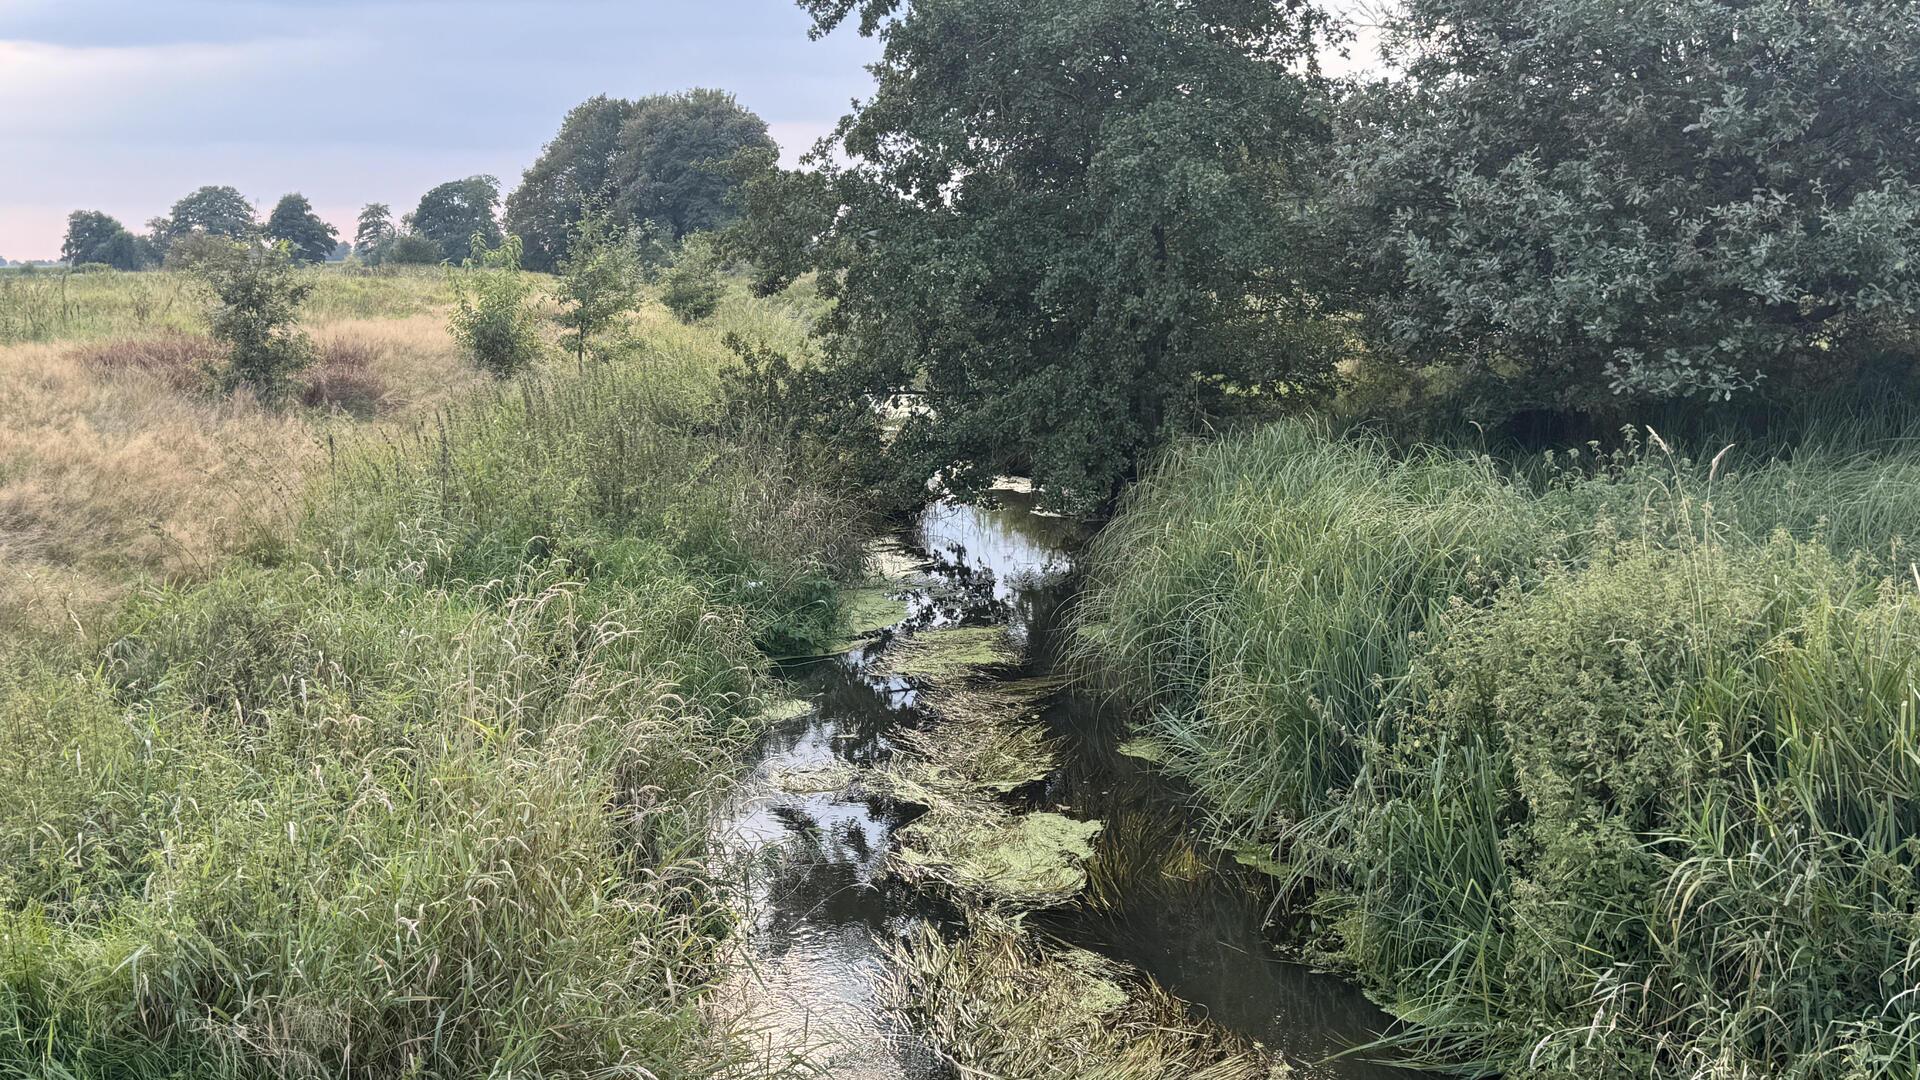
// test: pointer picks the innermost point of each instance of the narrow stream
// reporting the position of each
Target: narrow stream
(821, 904)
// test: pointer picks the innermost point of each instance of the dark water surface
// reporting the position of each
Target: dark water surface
(821, 905)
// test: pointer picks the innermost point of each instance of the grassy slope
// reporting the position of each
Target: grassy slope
(417, 785)
(1609, 774)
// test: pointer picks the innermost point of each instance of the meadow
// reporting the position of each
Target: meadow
(378, 736)
(1593, 764)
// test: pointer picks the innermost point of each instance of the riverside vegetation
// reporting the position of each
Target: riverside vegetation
(412, 778)
(1601, 766)
(369, 718)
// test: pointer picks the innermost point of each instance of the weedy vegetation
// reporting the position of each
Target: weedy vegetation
(1596, 767)
(415, 779)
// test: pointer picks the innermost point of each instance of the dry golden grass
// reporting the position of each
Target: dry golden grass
(115, 466)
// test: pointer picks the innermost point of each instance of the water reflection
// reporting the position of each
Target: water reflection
(820, 905)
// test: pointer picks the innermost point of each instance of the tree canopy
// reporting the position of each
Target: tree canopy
(660, 159)
(309, 239)
(451, 215)
(217, 211)
(94, 237)
(1063, 234)
(578, 170)
(1580, 204)
(673, 150)
(374, 231)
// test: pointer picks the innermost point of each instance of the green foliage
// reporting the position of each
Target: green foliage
(429, 794)
(494, 318)
(599, 280)
(1598, 768)
(673, 152)
(374, 233)
(294, 223)
(217, 211)
(1584, 205)
(94, 237)
(578, 170)
(659, 160)
(452, 215)
(412, 249)
(841, 441)
(692, 288)
(1064, 234)
(1680, 783)
(255, 316)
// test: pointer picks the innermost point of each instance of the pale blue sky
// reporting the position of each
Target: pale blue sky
(125, 105)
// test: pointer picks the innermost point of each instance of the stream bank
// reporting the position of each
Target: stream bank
(837, 934)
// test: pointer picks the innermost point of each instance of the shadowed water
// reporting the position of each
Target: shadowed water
(821, 907)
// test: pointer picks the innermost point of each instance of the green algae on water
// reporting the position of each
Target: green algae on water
(999, 1003)
(866, 610)
(987, 855)
(952, 653)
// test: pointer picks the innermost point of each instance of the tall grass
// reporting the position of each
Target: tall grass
(420, 785)
(1602, 767)
(64, 306)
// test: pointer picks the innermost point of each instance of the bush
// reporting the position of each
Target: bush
(256, 318)
(493, 318)
(411, 249)
(692, 288)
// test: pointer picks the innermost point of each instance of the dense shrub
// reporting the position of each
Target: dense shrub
(692, 288)
(493, 318)
(1583, 205)
(255, 316)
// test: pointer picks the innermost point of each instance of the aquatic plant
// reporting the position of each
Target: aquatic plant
(997, 1002)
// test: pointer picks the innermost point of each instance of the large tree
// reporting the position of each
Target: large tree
(217, 211)
(1063, 233)
(451, 215)
(673, 152)
(310, 239)
(1578, 204)
(577, 171)
(94, 237)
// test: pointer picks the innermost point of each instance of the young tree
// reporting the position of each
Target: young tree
(493, 318)
(578, 169)
(599, 279)
(293, 222)
(94, 237)
(1065, 230)
(692, 288)
(1580, 205)
(452, 214)
(255, 314)
(673, 152)
(375, 232)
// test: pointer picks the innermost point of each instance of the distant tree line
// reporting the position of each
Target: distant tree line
(659, 166)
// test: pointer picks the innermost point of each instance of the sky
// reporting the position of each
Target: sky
(126, 105)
